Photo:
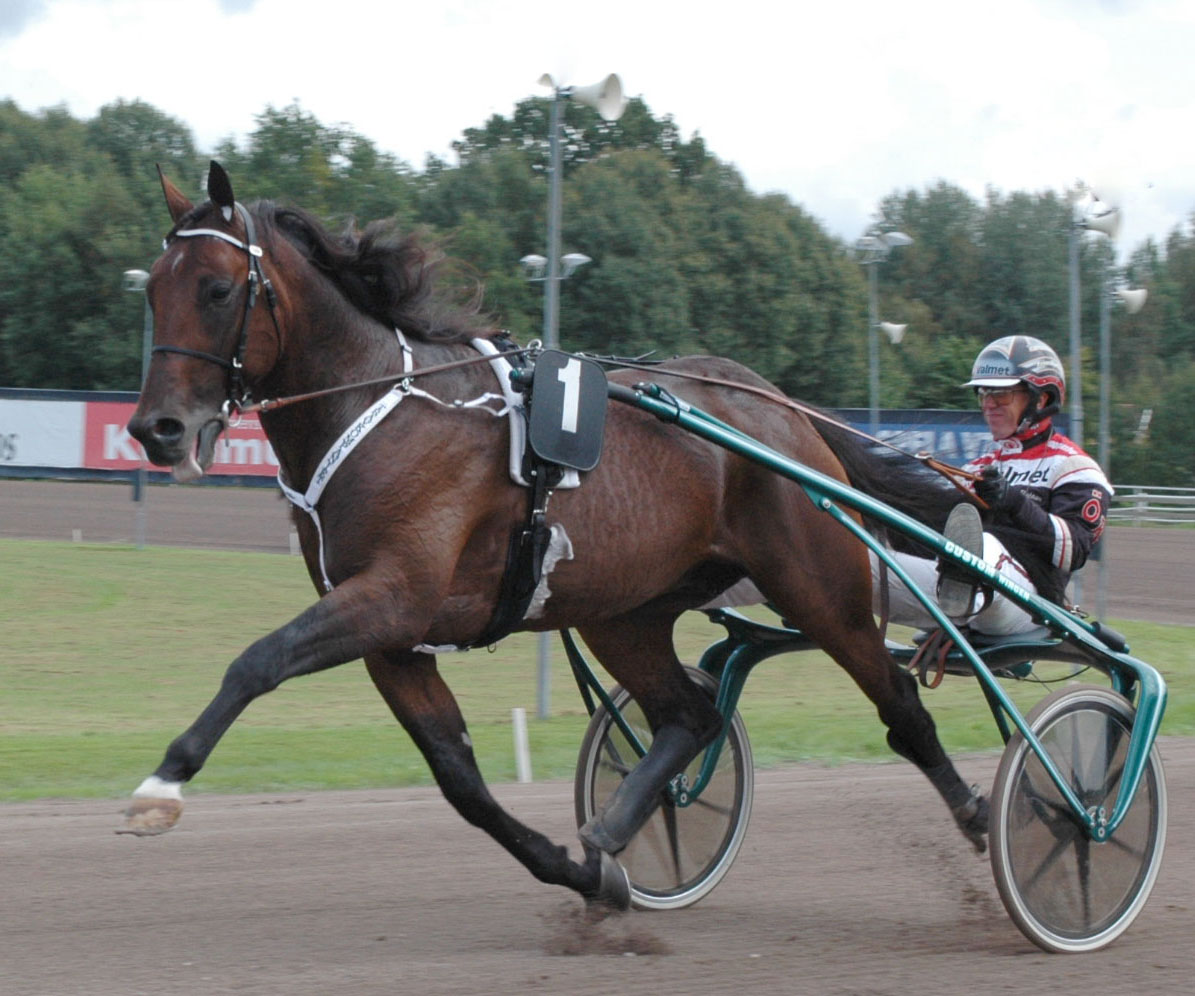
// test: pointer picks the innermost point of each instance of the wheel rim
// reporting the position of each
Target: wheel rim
(1067, 892)
(681, 852)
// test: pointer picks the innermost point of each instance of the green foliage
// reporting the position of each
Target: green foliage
(63, 319)
(684, 257)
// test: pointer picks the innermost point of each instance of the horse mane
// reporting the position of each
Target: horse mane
(399, 280)
(894, 478)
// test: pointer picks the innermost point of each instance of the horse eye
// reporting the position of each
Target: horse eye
(220, 291)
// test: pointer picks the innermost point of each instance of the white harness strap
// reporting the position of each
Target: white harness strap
(345, 445)
(518, 417)
(511, 406)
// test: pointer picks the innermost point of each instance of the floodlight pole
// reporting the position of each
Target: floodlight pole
(552, 284)
(1075, 387)
(873, 349)
(610, 107)
(1104, 456)
(1105, 222)
(134, 282)
(871, 251)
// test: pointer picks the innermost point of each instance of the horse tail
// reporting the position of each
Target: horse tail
(892, 477)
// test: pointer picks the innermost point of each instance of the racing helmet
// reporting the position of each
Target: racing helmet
(1022, 359)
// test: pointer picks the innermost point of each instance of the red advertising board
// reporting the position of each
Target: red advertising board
(242, 449)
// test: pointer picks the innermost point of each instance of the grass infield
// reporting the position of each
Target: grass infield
(110, 652)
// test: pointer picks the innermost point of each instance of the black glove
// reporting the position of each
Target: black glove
(994, 490)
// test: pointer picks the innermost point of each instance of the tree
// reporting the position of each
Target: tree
(138, 139)
(585, 136)
(26, 140)
(66, 235)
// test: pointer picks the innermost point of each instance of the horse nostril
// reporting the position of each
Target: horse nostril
(167, 431)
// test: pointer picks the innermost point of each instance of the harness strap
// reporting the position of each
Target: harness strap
(365, 423)
(524, 562)
(932, 654)
(345, 445)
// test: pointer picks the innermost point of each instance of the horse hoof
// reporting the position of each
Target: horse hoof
(150, 817)
(972, 818)
(614, 887)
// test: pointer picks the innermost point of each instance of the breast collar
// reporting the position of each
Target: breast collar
(508, 403)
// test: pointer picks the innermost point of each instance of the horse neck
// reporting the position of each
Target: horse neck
(329, 346)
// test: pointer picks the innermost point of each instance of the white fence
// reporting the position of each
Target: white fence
(1135, 504)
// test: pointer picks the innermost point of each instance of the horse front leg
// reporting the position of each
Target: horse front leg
(412, 686)
(639, 654)
(339, 628)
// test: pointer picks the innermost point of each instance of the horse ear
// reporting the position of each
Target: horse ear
(219, 189)
(176, 203)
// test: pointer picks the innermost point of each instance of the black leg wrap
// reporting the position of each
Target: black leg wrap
(639, 794)
(969, 808)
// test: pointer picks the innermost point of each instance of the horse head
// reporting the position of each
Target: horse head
(211, 342)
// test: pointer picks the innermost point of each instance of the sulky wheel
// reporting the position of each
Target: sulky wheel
(681, 852)
(1065, 891)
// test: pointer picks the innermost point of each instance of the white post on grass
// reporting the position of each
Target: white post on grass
(522, 751)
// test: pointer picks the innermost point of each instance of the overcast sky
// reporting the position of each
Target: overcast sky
(835, 103)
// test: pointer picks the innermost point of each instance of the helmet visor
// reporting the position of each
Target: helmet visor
(993, 382)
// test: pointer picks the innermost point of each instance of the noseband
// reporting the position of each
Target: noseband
(238, 395)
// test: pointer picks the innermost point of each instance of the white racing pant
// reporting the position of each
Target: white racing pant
(999, 618)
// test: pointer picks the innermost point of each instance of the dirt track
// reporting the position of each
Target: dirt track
(851, 881)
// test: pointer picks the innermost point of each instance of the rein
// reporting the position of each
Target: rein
(272, 404)
(238, 395)
(956, 475)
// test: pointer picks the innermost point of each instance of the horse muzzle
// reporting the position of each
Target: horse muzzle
(186, 446)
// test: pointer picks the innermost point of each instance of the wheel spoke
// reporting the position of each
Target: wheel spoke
(1063, 889)
(1061, 846)
(701, 802)
(672, 830)
(1083, 860)
(1117, 844)
(681, 852)
(616, 765)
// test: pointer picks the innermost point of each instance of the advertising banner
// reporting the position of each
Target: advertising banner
(41, 433)
(241, 450)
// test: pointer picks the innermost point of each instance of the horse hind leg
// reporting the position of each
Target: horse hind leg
(912, 733)
(639, 654)
(840, 621)
(421, 701)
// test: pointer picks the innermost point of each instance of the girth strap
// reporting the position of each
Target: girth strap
(524, 561)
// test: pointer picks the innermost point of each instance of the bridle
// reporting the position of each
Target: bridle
(237, 394)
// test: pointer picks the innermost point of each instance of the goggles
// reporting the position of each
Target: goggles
(1001, 396)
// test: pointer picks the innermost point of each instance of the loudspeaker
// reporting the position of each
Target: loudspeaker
(1133, 300)
(1108, 223)
(894, 332)
(605, 97)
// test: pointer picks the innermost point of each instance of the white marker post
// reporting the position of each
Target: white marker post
(522, 752)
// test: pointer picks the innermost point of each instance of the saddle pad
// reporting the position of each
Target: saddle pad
(568, 410)
(517, 417)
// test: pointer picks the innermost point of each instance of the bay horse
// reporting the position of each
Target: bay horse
(406, 542)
